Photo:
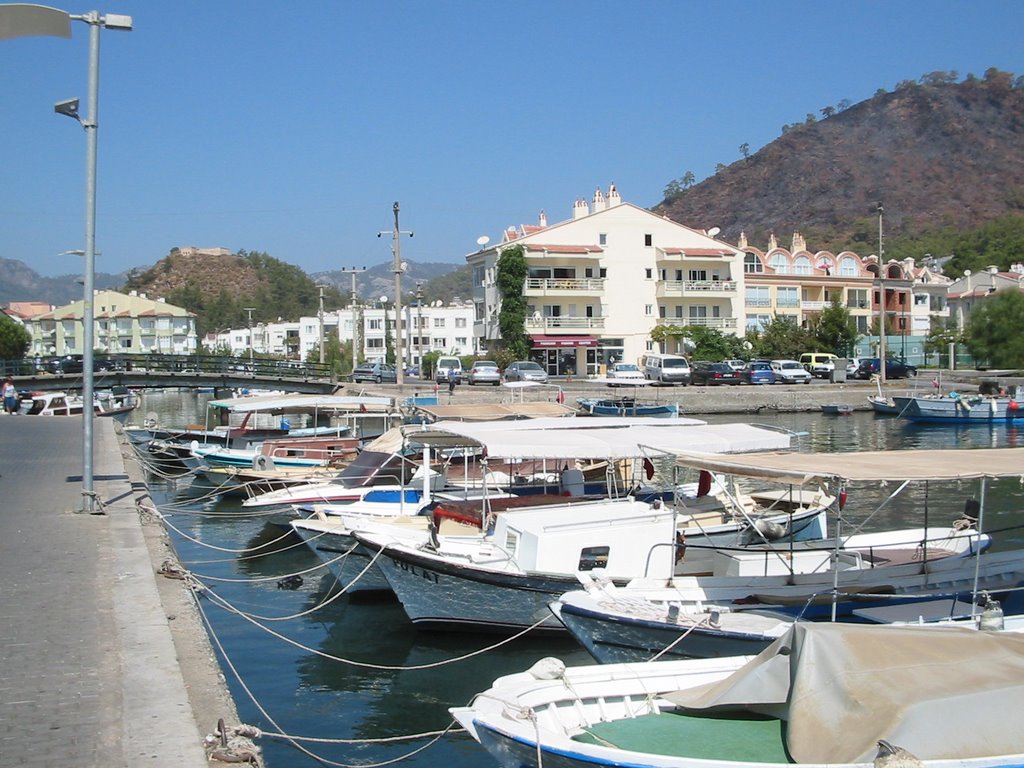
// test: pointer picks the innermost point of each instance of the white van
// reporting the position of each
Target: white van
(666, 369)
(445, 364)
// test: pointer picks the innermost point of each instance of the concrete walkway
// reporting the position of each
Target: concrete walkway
(89, 675)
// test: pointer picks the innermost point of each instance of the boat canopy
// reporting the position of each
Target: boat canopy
(878, 466)
(300, 403)
(597, 439)
(943, 693)
(495, 411)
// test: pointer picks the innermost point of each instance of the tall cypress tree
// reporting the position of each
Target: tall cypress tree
(511, 278)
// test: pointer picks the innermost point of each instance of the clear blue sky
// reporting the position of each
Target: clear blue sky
(292, 128)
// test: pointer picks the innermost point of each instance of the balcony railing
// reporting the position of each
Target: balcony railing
(758, 303)
(815, 306)
(563, 323)
(544, 285)
(706, 322)
(667, 288)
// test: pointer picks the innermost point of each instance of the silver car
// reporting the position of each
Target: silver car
(484, 372)
(525, 370)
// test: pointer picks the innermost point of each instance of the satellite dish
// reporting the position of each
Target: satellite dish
(438, 303)
(714, 231)
(404, 266)
(383, 299)
(483, 240)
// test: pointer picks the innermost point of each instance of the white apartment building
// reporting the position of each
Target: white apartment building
(433, 328)
(966, 292)
(600, 282)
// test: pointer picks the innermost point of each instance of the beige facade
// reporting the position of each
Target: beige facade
(124, 323)
(600, 282)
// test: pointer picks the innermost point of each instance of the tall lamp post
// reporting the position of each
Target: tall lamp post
(23, 20)
(249, 311)
(398, 266)
(353, 271)
(881, 299)
(321, 316)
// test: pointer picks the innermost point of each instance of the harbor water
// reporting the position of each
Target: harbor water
(355, 684)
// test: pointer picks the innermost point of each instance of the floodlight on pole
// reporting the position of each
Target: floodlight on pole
(24, 20)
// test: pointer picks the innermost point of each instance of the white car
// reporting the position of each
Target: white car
(627, 371)
(852, 365)
(790, 372)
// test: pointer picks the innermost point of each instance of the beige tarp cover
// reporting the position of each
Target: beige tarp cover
(801, 468)
(939, 692)
(495, 411)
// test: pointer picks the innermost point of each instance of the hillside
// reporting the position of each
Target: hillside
(935, 153)
(19, 282)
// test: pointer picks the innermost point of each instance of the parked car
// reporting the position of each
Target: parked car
(666, 369)
(626, 371)
(445, 364)
(894, 369)
(736, 365)
(484, 372)
(375, 372)
(852, 364)
(790, 372)
(759, 372)
(713, 374)
(525, 370)
(820, 364)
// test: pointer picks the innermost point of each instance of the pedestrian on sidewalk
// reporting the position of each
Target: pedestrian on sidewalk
(10, 395)
(452, 381)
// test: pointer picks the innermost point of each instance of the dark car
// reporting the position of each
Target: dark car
(712, 374)
(894, 369)
(375, 372)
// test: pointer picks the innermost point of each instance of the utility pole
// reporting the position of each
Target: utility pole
(419, 321)
(398, 266)
(881, 299)
(250, 310)
(353, 271)
(321, 324)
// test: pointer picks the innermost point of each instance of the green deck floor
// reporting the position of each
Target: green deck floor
(685, 735)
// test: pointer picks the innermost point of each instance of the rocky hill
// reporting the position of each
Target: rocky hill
(936, 153)
(19, 282)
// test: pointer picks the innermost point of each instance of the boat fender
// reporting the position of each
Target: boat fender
(548, 668)
(772, 531)
(703, 483)
(262, 462)
(842, 498)
(992, 616)
(648, 468)
(1013, 405)
(680, 546)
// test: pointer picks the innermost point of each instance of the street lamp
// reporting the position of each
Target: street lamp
(23, 20)
(249, 311)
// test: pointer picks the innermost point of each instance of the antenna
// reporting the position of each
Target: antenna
(483, 240)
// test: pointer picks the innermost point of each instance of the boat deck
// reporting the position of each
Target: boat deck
(730, 739)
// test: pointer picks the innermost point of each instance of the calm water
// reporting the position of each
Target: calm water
(339, 674)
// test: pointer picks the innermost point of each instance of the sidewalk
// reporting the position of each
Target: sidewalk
(90, 676)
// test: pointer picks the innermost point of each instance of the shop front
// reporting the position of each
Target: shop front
(564, 355)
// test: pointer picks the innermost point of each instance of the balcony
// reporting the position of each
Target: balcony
(815, 306)
(668, 289)
(721, 323)
(561, 286)
(563, 323)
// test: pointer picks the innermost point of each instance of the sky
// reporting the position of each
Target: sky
(292, 129)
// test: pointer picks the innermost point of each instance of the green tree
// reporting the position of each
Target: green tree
(993, 332)
(782, 338)
(836, 330)
(14, 339)
(511, 278)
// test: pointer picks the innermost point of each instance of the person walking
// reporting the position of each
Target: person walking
(10, 395)
(452, 380)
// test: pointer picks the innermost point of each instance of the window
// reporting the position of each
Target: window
(648, 273)
(375, 343)
(593, 557)
(758, 296)
(857, 298)
(460, 322)
(439, 322)
(697, 274)
(602, 239)
(648, 240)
(604, 272)
(460, 341)
(848, 267)
(648, 310)
(511, 543)
(752, 264)
(375, 324)
(787, 297)
(440, 342)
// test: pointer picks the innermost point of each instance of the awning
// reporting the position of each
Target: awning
(562, 342)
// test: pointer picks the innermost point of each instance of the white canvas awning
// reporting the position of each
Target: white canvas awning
(299, 403)
(596, 439)
(877, 466)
